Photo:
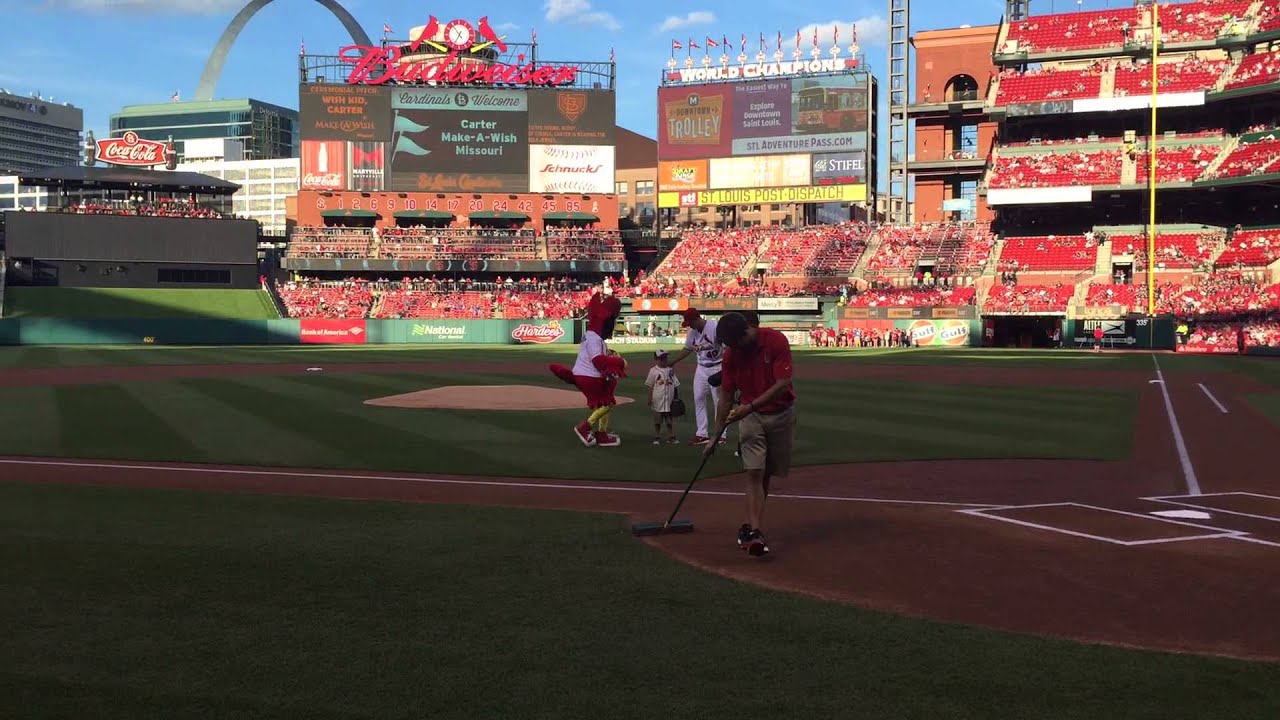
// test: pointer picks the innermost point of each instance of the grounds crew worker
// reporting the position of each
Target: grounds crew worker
(757, 364)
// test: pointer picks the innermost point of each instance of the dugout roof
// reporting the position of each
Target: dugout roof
(81, 177)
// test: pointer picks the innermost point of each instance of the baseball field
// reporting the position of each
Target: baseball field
(239, 532)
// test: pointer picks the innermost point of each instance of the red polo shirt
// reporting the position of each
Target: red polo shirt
(755, 369)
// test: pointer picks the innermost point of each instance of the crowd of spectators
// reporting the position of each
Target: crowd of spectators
(1049, 84)
(1248, 158)
(1251, 248)
(1201, 20)
(1173, 250)
(712, 253)
(1181, 164)
(1048, 169)
(591, 245)
(1217, 295)
(330, 242)
(1029, 298)
(418, 243)
(1257, 69)
(859, 337)
(914, 296)
(1072, 31)
(1188, 74)
(1049, 252)
(433, 298)
(165, 207)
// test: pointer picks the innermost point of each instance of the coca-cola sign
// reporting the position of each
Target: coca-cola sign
(454, 46)
(329, 181)
(541, 334)
(132, 150)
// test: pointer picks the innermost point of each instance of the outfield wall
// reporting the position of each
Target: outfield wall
(76, 331)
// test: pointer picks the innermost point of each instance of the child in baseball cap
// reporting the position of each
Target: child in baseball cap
(662, 383)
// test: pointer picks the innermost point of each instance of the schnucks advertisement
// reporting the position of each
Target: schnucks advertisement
(322, 331)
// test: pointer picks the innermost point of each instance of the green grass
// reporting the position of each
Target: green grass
(165, 604)
(151, 303)
(320, 420)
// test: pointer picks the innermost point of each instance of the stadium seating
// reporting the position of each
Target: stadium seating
(1180, 164)
(320, 299)
(1204, 20)
(1216, 295)
(1127, 296)
(1248, 158)
(1065, 169)
(711, 253)
(1208, 336)
(1251, 248)
(330, 242)
(1187, 75)
(1262, 332)
(930, 296)
(900, 248)
(1254, 70)
(456, 243)
(1062, 252)
(1269, 18)
(1028, 298)
(840, 255)
(1073, 31)
(584, 245)
(167, 207)
(1173, 250)
(813, 250)
(1040, 85)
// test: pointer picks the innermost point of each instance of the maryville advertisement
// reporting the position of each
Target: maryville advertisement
(695, 122)
(571, 168)
(324, 165)
(319, 331)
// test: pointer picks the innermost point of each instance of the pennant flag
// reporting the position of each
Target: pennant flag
(386, 28)
(675, 45)
(724, 39)
(712, 43)
(797, 38)
(835, 35)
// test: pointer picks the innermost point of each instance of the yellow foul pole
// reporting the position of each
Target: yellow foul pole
(1151, 146)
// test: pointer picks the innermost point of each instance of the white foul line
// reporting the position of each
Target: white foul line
(1193, 486)
(487, 483)
(1212, 399)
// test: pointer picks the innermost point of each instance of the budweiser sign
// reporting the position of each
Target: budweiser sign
(541, 334)
(131, 150)
(328, 181)
(450, 43)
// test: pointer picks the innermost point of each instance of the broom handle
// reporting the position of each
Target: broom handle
(705, 458)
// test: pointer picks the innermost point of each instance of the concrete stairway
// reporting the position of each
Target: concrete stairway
(873, 246)
(1230, 146)
(1103, 264)
(1129, 171)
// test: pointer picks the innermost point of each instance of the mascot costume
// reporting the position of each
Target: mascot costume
(597, 370)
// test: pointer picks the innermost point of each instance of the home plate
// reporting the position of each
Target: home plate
(1183, 514)
(314, 369)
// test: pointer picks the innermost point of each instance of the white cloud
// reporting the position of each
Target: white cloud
(872, 30)
(697, 17)
(507, 27)
(579, 12)
(152, 7)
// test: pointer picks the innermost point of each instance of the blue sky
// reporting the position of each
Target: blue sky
(103, 54)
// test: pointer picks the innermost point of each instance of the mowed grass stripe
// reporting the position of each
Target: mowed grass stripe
(344, 423)
(215, 605)
(110, 421)
(30, 421)
(216, 426)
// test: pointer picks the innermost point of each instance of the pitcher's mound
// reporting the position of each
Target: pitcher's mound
(489, 397)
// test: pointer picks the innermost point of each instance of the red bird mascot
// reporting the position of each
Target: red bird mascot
(597, 370)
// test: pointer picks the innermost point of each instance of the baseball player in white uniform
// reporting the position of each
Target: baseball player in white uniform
(701, 340)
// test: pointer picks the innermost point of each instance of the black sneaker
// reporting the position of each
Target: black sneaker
(756, 545)
(744, 536)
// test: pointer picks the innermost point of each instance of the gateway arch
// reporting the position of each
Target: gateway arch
(218, 58)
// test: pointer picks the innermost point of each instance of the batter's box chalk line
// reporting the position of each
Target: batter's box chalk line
(1216, 533)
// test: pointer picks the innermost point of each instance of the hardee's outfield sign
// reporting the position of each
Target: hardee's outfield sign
(131, 150)
(458, 40)
(758, 196)
(762, 70)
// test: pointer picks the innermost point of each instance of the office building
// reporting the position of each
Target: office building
(264, 187)
(38, 133)
(263, 130)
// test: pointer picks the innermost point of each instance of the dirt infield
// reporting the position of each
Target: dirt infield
(488, 397)
(1060, 548)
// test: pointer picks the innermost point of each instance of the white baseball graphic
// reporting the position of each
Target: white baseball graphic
(571, 168)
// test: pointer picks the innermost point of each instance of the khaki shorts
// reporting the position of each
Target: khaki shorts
(766, 441)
